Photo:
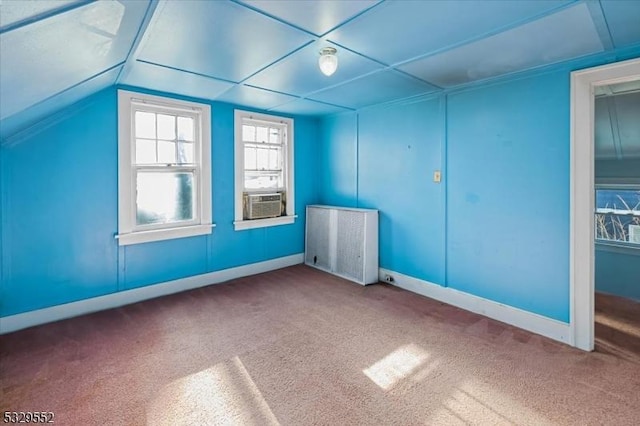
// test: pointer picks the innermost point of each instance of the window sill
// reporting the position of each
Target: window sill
(613, 247)
(241, 225)
(163, 234)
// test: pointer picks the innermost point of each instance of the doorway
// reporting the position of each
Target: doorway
(582, 232)
(617, 219)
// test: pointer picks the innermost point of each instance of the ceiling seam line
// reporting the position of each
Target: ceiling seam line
(279, 59)
(133, 53)
(155, 64)
(615, 127)
(44, 15)
(311, 100)
(600, 21)
(273, 91)
(351, 80)
(306, 95)
(351, 19)
(407, 100)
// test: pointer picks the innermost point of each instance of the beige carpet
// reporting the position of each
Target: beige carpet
(300, 347)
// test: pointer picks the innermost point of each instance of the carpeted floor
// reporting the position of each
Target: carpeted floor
(301, 347)
(617, 326)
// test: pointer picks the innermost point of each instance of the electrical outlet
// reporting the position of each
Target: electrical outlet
(437, 177)
(388, 278)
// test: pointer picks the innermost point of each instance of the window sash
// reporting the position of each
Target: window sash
(196, 116)
(170, 224)
(168, 168)
(281, 170)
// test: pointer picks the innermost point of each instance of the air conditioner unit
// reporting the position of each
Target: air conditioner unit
(264, 205)
(634, 234)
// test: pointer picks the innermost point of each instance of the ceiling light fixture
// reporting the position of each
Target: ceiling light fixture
(328, 61)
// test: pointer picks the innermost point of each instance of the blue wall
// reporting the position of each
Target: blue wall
(399, 148)
(508, 193)
(618, 272)
(498, 224)
(59, 212)
(339, 159)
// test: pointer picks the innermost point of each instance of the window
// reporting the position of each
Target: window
(618, 214)
(164, 170)
(264, 193)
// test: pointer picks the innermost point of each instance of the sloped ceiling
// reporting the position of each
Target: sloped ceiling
(617, 121)
(264, 53)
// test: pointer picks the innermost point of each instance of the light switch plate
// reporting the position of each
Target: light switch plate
(437, 177)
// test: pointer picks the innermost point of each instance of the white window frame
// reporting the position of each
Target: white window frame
(128, 230)
(239, 223)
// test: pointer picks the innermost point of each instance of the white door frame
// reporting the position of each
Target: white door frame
(582, 252)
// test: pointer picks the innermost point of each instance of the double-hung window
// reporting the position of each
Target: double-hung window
(264, 193)
(164, 168)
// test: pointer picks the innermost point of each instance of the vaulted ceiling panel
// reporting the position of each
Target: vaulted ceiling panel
(314, 16)
(399, 31)
(623, 18)
(170, 80)
(567, 34)
(379, 87)
(617, 123)
(49, 106)
(218, 39)
(628, 115)
(15, 12)
(52, 55)
(298, 74)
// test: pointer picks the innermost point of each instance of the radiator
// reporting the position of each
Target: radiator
(343, 241)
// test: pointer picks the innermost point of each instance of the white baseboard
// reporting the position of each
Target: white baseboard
(553, 329)
(114, 300)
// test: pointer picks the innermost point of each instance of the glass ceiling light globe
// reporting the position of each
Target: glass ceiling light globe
(328, 61)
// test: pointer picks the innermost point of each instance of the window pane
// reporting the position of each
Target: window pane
(164, 197)
(249, 157)
(185, 153)
(274, 158)
(262, 180)
(166, 152)
(185, 129)
(261, 134)
(248, 133)
(166, 127)
(145, 151)
(145, 123)
(262, 158)
(618, 199)
(274, 135)
(618, 215)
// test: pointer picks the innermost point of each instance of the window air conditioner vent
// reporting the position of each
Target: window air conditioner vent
(264, 205)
